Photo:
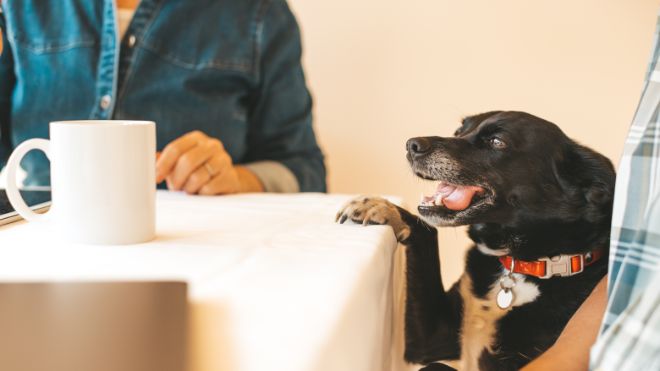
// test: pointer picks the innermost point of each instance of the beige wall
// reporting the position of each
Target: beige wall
(383, 71)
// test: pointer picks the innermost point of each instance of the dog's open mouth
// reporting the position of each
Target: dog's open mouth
(453, 197)
(451, 200)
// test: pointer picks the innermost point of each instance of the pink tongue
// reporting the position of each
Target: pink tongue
(460, 197)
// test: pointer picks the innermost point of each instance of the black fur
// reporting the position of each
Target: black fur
(544, 195)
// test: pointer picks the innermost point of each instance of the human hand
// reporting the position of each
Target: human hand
(198, 164)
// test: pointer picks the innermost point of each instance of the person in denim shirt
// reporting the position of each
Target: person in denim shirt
(222, 79)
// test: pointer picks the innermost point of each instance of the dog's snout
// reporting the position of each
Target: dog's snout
(418, 146)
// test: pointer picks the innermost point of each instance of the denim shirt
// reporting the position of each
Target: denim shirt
(230, 68)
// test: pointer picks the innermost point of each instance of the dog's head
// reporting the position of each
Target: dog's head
(511, 168)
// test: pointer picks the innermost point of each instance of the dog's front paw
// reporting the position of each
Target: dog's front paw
(375, 210)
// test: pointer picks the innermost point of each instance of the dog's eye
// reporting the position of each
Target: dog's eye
(497, 143)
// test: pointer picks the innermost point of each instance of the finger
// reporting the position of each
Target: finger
(196, 180)
(219, 162)
(191, 161)
(220, 185)
(174, 150)
(225, 181)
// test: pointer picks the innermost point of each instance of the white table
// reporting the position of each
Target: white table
(274, 283)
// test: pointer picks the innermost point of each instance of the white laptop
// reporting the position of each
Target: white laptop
(37, 198)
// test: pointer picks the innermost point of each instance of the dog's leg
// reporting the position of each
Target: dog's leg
(437, 367)
(432, 316)
(508, 361)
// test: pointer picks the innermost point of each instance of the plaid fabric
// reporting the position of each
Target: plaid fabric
(630, 337)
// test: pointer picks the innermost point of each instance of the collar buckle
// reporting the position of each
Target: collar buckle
(562, 265)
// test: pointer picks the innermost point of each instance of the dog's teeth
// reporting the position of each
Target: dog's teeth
(438, 200)
(426, 200)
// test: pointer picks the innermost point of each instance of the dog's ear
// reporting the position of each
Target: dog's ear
(587, 180)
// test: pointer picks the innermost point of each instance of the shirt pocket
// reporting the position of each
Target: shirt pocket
(223, 38)
(42, 27)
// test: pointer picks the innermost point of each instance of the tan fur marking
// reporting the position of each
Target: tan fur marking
(479, 325)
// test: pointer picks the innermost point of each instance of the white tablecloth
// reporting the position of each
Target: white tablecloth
(274, 283)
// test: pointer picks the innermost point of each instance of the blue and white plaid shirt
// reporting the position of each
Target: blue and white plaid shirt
(630, 337)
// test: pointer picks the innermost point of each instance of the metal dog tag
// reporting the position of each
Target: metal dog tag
(504, 298)
(505, 295)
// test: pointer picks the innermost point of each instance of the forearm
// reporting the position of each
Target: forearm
(309, 170)
(280, 127)
(571, 351)
(272, 176)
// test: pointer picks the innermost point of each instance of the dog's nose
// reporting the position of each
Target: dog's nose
(418, 146)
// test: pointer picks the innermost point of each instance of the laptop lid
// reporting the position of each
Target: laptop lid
(93, 326)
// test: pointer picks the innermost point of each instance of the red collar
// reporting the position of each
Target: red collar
(560, 265)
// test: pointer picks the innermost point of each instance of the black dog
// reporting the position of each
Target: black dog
(536, 202)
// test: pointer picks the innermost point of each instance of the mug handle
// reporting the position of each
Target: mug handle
(12, 164)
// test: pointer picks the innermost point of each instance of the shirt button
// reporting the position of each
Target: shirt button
(105, 102)
(131, 41)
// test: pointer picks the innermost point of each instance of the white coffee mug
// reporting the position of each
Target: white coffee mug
(103, 180)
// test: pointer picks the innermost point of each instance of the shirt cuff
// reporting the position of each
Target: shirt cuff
(274, 176)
